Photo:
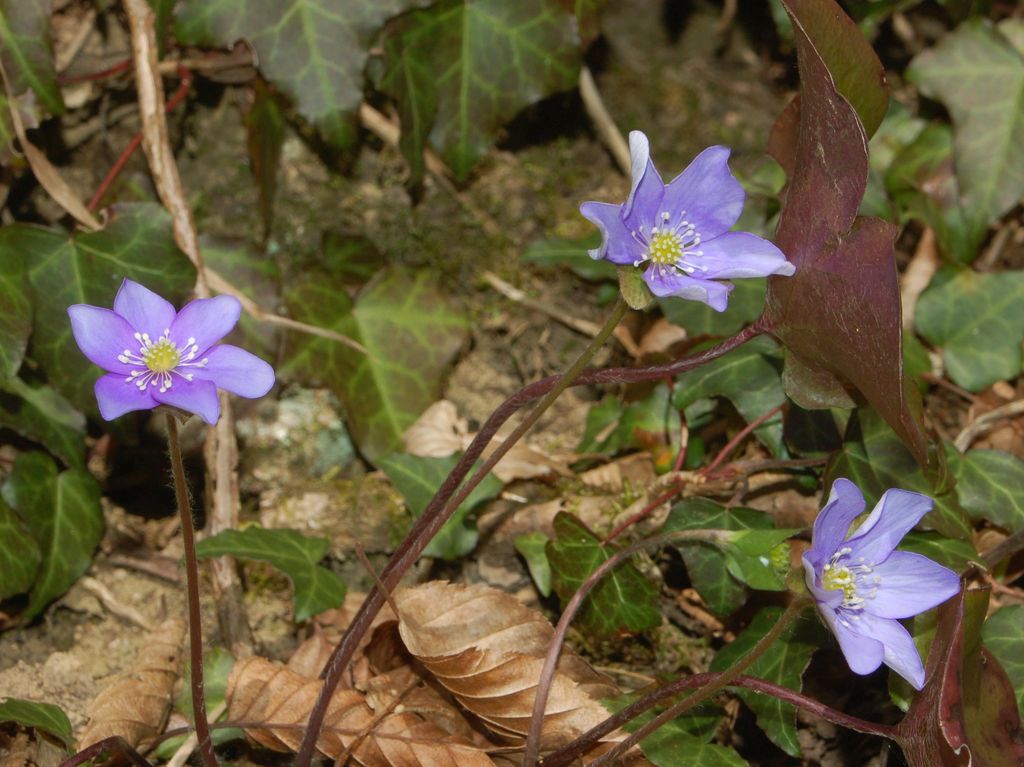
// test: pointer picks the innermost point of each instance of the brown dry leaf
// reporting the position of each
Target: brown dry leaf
(487, 649)
(440, 432)
(26, 751)
(660, 337)
(263, 691)
(135, 704)
(637, 468)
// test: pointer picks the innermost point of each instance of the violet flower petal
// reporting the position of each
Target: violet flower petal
(235, 370)
(708, 192)
(737, 255)
(145, 310)
(668, 282)
(901, 653)
(115, 396)
(102, 335)
(197, 396)
(207, 320)
(617, 244)
(864, 653)
(845, 504)
(893, 517)
(910, 584)
(645, 196)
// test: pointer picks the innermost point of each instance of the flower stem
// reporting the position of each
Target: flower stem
(582, 744)
(441, 506)
(195, 626)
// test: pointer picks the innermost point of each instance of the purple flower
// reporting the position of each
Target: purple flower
(862, 586)
(681, 231)
(156, 356)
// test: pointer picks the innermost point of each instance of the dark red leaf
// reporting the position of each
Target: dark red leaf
(839, 315)
(967, 713)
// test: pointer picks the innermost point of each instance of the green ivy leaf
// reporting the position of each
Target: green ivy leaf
(411, 335)
(956, 311)
(313, 50)
(683, 742)
(87, 268)
(1003, 635)
(624, 599)
(294, 554)
(556, 251)
(460, 70)
(39, 413)
(783, 663)
(418, 478)
(533, 547)
(745, 305)
(63, 514)
(19, 555)
(875, 459)
(990, 484)
(949, 552)
(749, 377)
(41, 716)
(16, 318)
(924, 186)
(977, 71)
(719, 574)
(27, 51)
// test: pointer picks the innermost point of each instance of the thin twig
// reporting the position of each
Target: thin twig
(583, 327)
(115, 744)
(607, 130)
(115, 606)
(984, 422)
(1006, 549)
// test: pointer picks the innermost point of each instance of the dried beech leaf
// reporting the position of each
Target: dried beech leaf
(487, 649)
(261, 690)
(440, 432)
(437, 433)
(135, 704)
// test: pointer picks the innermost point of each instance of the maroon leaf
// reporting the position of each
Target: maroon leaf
(856, 71)
(967, 713)
(839, 315)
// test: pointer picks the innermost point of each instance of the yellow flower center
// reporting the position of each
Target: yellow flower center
(666, 248)
(161, 357)
(839, 578)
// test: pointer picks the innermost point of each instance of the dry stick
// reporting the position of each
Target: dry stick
(985, 422)
(221, 449)
(195, 628)
(723, 680)
(547, 674)
(1005, 549)
(443, 504)
(583, 327)
(607, 130)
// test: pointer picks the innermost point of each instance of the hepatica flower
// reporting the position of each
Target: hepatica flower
(862, 585)
(156, 356)
(680, 232)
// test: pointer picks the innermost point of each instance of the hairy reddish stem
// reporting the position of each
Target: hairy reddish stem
(443, 504)
(586, 741)
(195, 625)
